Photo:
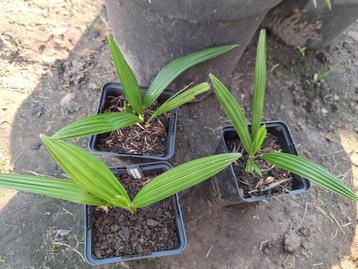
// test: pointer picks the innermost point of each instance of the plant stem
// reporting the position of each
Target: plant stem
(141, 118)
(132, 209)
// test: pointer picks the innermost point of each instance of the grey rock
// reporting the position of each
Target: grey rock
(125, 233)
(62, 232)
(291, 241)
(152, 223)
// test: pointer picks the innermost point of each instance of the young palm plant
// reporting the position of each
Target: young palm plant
(92, 182)
(135, 105)
(253, 139)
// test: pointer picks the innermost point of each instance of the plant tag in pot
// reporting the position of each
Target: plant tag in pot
(135, 172)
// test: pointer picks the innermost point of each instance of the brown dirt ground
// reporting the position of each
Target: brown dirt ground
(53, 61)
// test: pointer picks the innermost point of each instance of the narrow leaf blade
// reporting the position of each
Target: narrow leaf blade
(52, 187)
(259, 84)
(310, 170)
(97, 124)
(89, 172)
(171, 71)
(182, 177)
(126, 77)
(233, 111)
(181, 98)
(259, 138)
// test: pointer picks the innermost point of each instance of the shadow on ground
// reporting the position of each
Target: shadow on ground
(40, 232)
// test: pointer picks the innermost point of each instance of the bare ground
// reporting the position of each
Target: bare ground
(52, 64)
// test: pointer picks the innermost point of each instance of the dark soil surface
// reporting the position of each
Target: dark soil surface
(268, 183)
(118, 233)
(143, 139)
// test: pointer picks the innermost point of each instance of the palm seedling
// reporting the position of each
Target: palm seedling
(252, 139)
(92, 182)
(135, 106)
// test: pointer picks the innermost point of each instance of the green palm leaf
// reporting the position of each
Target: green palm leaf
(259, 139)
(53, 187)
(97, 124)
(181, 98)
(182, 177)
(126, 77)
(310, 170)
(178, 66)
(233, 111)
(87, 171)
(259, 84)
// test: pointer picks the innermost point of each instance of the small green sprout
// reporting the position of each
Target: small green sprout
(302, 51)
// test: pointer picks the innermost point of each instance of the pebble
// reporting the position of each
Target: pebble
(324, 111)
(125, 234)
(291, 241)
(92, 86)
(62, 233)
(139, 249)
(97, 253)
(152, 223)
(68, 98)
(115, 228)
(37, 110)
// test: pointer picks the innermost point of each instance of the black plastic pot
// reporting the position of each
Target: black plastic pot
(114, 88)
(226, 183)
(146, 169)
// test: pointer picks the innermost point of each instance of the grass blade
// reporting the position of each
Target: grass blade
(182, 177)
(322, 75)
(310, 170)
(259, 84)
(181, 98)
(233, 111)
(90, 173)
(53, 187)
(329, 4)
(178, 66)
(97, 124)
(126, 77)
(259, 139)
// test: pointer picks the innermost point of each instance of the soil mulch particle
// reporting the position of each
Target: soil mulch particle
(272, 181)
(136, 139)
(118, 233)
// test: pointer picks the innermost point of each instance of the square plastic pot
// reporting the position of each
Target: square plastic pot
(226, 184)
(114, 88)
(145, 169)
